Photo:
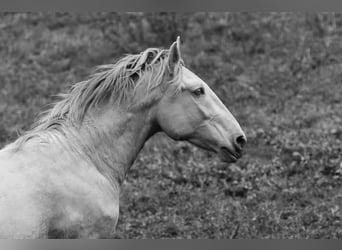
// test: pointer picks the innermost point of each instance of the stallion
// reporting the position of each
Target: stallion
(62, 178)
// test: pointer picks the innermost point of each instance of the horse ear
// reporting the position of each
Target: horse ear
(174, 55)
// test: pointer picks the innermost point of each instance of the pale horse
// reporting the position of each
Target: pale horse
(62, 178)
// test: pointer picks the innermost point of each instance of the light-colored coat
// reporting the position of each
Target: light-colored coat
(62, 179)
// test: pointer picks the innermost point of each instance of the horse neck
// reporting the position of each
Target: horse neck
(112, 139)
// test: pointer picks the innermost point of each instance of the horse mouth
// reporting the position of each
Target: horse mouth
(229, 156)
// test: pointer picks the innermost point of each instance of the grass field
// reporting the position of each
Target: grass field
(279, 74)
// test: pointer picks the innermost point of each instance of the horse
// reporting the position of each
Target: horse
(62, 178)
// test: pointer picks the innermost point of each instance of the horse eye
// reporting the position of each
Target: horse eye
(199, 91)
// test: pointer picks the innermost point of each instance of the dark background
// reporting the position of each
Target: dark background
(278, 73)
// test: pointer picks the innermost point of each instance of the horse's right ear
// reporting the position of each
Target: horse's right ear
(174, 55)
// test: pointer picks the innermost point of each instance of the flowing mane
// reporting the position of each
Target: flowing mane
(112, 83)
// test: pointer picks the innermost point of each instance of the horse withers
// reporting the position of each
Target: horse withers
(62, 178)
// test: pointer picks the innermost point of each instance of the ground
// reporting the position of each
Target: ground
(278, 73)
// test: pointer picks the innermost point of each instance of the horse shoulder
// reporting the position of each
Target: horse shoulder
(57, 199)
(83, 213)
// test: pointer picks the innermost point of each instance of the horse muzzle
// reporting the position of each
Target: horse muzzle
(232, 154)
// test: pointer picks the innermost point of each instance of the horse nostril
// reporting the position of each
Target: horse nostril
(240, 141)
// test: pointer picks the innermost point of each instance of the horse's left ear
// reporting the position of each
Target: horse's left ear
(174, 55)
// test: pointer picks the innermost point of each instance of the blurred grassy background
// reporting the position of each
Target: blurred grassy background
(280, 75)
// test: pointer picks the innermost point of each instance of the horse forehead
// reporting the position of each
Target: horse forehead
(191, 78)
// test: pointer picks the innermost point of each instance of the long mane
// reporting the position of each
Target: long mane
(112, 83)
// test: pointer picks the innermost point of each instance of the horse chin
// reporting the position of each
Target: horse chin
(225, 155)
(230, 159)
(228, 156)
